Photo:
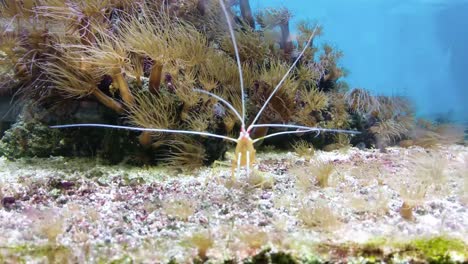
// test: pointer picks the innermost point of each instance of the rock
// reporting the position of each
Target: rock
(8, 202)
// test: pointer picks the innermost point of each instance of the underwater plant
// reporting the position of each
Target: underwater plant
(429, 135)
(384, 120)
(304, 149)
(245, 150)
(318, 215)
(202, 241)
(121, 55)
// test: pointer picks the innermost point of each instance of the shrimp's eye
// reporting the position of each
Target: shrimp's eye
(243, 134)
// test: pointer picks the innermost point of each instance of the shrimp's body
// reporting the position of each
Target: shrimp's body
(244, 154)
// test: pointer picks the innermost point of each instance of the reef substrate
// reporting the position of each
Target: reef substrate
(78, 210)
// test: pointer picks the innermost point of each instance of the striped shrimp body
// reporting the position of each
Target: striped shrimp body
(244, 154)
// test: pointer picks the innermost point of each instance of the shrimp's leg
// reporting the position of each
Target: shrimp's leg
(248, 163)
(239, 156)
(233, 168)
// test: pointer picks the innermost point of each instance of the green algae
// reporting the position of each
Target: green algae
(440, 249)
(72, 169)
(122, 260)
(24, 253)
(31, 139)
(430, 250)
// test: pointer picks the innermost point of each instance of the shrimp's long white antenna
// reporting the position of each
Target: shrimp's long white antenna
(148, 130)
(222, 100)
(284, 133)
(234, 43)
(284, 78)
(294, 132)
(306, 128)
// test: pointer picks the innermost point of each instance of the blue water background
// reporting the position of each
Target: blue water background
(416, 48)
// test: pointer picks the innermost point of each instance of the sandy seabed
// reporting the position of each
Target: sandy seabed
(322, 208)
